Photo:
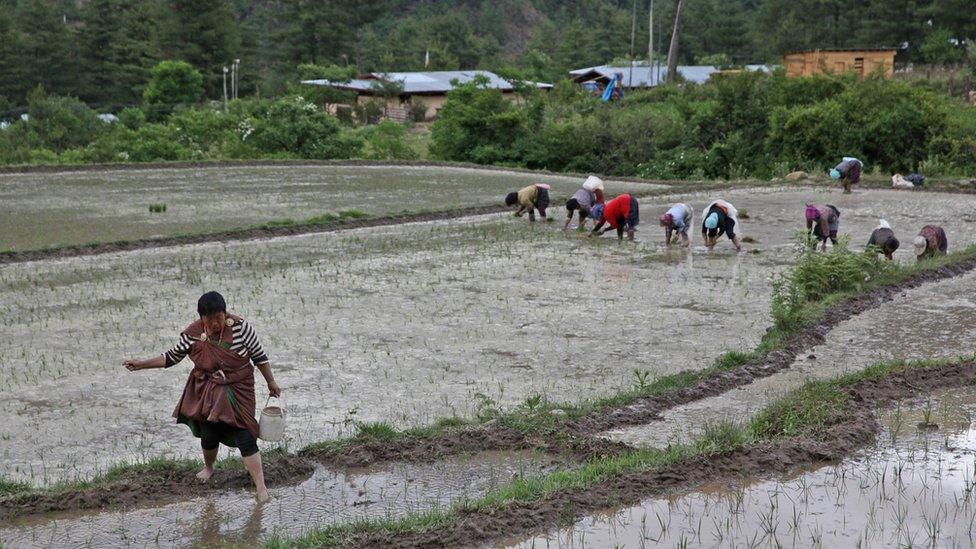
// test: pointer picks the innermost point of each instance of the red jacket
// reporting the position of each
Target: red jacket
(616, 211)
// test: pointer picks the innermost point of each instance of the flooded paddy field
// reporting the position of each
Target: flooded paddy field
(914, 488)
(40, 210)
(930, 322)
(402, 324)
(327, 497)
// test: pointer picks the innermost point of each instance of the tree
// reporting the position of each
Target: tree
(673, 49)
(172, 83)
(59, 123)
(116, 49)
(941, 48)
(204, 33)
(44, 52)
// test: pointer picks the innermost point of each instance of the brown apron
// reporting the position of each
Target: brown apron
(220, 388)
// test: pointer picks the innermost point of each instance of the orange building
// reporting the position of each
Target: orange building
(839, 61)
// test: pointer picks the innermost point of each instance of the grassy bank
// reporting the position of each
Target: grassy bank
(807, 411)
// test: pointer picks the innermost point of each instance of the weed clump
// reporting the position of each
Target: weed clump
(157, 208)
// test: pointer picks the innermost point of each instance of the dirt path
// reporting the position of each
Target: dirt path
(849, 429)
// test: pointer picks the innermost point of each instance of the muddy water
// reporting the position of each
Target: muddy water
(400, 324)
(47, 209)
(915, 488)
(325, 498)
(933, 321)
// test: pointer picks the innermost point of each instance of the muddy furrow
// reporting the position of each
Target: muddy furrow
(649, 408)
(849, 429)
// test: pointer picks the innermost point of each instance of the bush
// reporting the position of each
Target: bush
(171, 83)
(385, 141)
(59, 123)
(298, 128)
(132, 118)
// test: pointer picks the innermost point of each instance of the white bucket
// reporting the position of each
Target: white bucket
(272, 422)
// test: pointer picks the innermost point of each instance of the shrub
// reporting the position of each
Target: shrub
(298, 128)
(132, 118)
(385, 141)
(59, 123)
(171, 83)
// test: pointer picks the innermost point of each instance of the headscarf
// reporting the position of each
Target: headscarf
(920, 245)
(711, 222)
(666, 220)
(511, 198)
(834, 174)
(812, 212)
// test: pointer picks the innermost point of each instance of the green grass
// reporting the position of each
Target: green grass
(323, 219)
(808, 410)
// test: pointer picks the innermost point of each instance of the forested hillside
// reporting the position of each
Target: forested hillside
(101, 50)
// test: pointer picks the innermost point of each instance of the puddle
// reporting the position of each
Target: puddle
(930, 322)
(327, 497)
(915, 489)
(403, 324)
(49, 209)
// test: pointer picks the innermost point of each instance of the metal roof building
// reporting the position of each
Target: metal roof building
(646, 77)
(420, 83)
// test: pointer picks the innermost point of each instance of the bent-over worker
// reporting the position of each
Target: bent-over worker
(849, 170)
(677, 220)
(720, 217)
(883, 240)
(823, 223)
(931, 241)
(531, 198)
(621, 213)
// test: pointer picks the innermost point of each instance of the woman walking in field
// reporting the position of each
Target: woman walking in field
(218, 399)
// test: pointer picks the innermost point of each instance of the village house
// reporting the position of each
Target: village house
(427, 88)
(839, 61)
(642, 76)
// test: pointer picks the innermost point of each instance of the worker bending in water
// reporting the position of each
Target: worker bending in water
(582, 202)
(677, 220)
(883, 240)
(621, 213)
(720, 218)
(529, 199)
(930, 242)
(848, 172)
(823, 223)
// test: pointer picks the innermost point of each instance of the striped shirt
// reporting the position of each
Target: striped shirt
(244, 342)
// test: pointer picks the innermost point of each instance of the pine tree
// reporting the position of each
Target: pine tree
(204, 33)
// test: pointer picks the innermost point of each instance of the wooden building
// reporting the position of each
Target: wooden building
(839, 61)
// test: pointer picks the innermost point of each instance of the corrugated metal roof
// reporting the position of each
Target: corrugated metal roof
(421, 82)
(645, 76)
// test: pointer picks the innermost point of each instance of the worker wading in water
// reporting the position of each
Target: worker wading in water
(883, 240)
(930, 242)
(218, 399)
(848, 172)
(720, 218)
(678, 220)
(621, 213)
(529, 199)
(823, 223)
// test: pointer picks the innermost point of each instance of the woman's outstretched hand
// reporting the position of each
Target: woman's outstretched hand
(131, 364)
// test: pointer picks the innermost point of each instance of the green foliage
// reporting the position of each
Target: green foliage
(298, 128)
(940, 47)
(172, 83)
(132, 118)
(59, 123)
(816, 275)
(386, 141)
(477, 124)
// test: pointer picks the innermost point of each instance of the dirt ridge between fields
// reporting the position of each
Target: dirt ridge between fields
(848, 430)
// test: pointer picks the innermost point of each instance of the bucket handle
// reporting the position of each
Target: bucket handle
(281, 404)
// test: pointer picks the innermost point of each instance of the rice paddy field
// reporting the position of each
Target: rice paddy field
(404, 325)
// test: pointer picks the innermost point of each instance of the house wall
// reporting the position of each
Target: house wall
(432, 102)
(838, 62)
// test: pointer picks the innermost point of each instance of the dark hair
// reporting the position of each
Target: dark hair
(511, 198)
(211, 303)
(890, 245)
(572, 204)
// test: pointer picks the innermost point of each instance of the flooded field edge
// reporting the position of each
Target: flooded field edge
(146, 485)
(835, 439)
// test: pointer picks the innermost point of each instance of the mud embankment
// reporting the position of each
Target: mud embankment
(849, 429)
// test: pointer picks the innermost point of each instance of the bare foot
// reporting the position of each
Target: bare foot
(205, 474)
(262, 496)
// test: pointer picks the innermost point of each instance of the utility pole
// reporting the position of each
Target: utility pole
(650, 44)
(673, 50)
(225, 88)
(236, 77)
(633, 34)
